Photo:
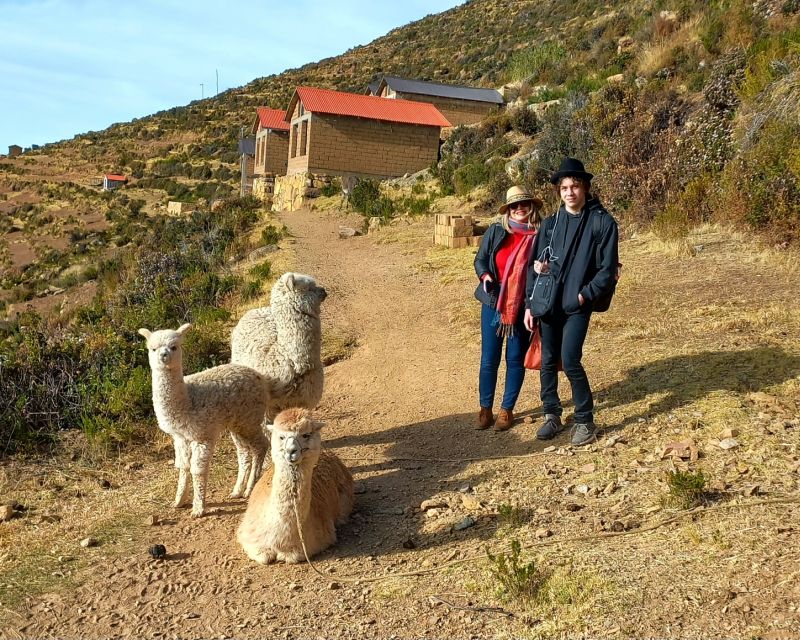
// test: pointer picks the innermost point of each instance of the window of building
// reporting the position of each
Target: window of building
(293, 141)
(304, 138)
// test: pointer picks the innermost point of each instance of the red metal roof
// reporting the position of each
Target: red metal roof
(372, 107)
(272, 118)
(115, 177)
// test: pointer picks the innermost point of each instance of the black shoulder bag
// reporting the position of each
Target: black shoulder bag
(546, 286)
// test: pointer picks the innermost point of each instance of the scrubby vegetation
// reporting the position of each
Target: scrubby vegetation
(88, 370)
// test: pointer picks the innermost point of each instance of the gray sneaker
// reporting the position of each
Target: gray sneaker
(551, 428)
(584, 434)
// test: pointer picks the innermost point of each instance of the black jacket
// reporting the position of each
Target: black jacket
(592, 271)
(485, 263)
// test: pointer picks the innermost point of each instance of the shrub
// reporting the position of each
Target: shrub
(534, 61)
(514, 578)
(524, 121)
(333, 188)
(271, 235)
(262, 270)
(366, 198)
(686, 488)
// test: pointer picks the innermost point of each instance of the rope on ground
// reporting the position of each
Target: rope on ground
(788, 499)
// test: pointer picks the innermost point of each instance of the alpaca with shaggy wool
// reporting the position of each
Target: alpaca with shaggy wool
(196, 409)
(283, 342)
(307, 484)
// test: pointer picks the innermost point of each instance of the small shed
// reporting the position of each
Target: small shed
(459, 104)
(112, 181)
(338, 133)
(14, 150)
(271, 131)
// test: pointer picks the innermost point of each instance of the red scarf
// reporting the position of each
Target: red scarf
(512, 284)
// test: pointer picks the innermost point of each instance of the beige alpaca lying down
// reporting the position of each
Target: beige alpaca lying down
(315, 480)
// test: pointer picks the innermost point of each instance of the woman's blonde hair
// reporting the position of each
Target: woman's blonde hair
(534, 221)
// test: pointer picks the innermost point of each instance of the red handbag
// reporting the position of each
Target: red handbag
(533, 357)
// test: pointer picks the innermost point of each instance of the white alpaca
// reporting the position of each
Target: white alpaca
(283, 342)
(195, 410)
(314, 482)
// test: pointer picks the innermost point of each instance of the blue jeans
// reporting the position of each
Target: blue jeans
(562, 337)
(491, 353)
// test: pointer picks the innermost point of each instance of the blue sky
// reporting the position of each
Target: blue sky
(71, 66)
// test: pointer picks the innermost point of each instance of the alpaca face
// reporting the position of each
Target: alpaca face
(301, 292)
(295, 437)
(164, 347)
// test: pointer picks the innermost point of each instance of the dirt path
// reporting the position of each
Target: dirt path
(400, 412)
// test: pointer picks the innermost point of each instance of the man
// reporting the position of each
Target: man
(579, 248)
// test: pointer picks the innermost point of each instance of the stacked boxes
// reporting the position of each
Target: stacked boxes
(455, 232)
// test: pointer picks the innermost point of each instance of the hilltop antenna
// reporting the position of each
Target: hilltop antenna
(217, 72)
(202, 93)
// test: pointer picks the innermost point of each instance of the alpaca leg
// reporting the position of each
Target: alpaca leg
(201, 461)
(258, 451)
(263, 556)
(182, 457)
(243, 456)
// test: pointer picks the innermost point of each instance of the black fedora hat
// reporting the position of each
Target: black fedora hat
(571, 168)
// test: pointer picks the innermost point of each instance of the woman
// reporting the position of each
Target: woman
(501, 265)
(579, 246)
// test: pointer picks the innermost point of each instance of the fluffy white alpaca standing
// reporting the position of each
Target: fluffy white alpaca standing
(195, 410)
(315, 481)
(283, 342)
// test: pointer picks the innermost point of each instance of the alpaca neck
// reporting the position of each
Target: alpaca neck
(290, 487)
(302, 352)
(169, 388)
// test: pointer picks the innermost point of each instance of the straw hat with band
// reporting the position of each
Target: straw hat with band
(520, 194)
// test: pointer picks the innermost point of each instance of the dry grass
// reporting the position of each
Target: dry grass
(661, 52)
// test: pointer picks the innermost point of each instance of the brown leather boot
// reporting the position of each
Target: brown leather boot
(485, 419)
(504, 420)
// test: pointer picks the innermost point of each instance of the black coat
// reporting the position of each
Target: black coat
(485, 263)
(593, 269)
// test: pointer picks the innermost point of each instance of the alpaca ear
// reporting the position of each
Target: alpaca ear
(290, 281)
(184, 328)
(270, 428)
(316, 425)
(145, 333)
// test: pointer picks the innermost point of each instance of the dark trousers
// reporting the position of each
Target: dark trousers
(562, 337)
(491, 354)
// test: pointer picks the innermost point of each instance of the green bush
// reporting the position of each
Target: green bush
(333, 188)
(514, 579)
(271, 235)
(262, 270)
(686, 488)
(366, 198)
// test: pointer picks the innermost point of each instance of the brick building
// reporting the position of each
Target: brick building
(14, 150)
(336, 133)
(272, 142)
(460, 105)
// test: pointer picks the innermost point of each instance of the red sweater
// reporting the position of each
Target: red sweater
(510, 243)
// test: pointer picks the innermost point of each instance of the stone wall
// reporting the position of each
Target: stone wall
(292, 192)
(264, 188)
